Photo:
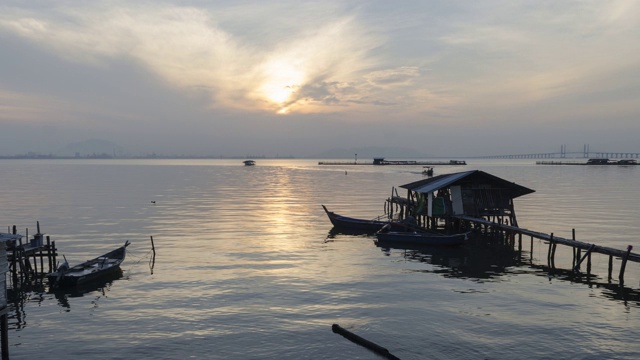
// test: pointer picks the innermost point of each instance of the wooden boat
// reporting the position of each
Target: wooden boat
(359, 225)
(98, 268)
(423, 238)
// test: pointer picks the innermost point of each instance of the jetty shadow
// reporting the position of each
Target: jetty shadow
(610, 290)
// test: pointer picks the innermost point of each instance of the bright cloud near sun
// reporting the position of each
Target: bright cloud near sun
(187, 48)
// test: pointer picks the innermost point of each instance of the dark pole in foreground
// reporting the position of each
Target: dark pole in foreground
(363, 342)
(4, 330)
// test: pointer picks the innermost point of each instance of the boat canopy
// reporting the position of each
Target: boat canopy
(474, 178)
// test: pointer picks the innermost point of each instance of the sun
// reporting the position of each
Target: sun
(278, 93)
(282, 79)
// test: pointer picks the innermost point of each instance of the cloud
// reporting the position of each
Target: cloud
(225, 68)
(187, 48)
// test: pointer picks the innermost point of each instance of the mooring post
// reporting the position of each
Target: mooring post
(549, 252)
(610, 268)
(153, 247)
(624, 264)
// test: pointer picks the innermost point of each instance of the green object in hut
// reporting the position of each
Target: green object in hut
(421, 204)
(438, 206)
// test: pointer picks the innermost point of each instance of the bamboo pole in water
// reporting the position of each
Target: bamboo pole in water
(363, 342)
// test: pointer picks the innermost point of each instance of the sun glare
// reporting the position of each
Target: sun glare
(278, 93)
(282, 80)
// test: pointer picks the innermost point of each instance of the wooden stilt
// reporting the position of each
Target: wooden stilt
(624, 264)
(520, 242)
(531, 252)
(577, 267)
(610, 268)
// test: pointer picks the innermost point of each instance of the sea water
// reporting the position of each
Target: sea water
(247, 266)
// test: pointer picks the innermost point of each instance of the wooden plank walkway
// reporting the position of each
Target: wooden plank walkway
(550, 238)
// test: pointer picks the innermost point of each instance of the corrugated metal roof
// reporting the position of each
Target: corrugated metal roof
(437, 182)
(443, 181)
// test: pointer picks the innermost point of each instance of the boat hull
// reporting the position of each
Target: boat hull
(103, 266)
(358, 225)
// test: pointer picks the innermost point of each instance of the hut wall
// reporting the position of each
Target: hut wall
(457, 200)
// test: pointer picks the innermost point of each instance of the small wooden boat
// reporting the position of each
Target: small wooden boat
(98, 268)
(359, 225)
(423, 238)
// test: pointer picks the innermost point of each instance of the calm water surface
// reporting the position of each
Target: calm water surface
(247, 267)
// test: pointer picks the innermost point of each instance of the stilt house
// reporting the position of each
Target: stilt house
(436, 202)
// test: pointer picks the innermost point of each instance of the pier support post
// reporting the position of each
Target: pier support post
(519, 242)
(588, 253)
(624, 264)
(531, 252)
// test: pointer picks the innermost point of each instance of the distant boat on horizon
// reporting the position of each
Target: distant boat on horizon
(249, 162)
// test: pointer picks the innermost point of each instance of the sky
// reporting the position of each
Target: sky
(446, 78)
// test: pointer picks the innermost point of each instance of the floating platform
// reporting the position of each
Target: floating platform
(591, 162)
(382, 161)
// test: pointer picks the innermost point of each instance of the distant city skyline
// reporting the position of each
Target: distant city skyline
(101, 149)
(445, 78)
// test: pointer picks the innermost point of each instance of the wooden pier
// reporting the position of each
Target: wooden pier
(383, 162)
(553, 241)
(26, 263)
(31, 262)
(475, 200)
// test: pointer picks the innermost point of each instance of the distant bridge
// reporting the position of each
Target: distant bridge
(563, 153)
